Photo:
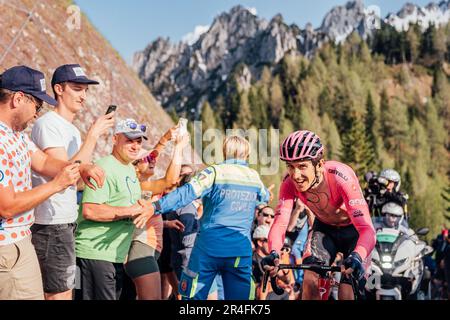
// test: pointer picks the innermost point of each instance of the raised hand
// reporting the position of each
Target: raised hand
(101, 125)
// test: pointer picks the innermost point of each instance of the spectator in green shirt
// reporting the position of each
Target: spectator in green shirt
(106, 224)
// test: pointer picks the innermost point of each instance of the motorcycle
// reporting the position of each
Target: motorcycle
(397, 269)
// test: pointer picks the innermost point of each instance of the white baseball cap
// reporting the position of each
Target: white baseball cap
(131, 129)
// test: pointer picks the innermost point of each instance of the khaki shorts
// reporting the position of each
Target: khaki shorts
(20, 275)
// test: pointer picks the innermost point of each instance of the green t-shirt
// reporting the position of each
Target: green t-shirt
(108, 241)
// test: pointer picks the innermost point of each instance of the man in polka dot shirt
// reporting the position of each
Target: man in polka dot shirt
(22, 93)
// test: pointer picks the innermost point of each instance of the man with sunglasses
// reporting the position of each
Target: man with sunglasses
(22, 93)
(265, 216)
(105, 225)
(55, 134)
(260, 242)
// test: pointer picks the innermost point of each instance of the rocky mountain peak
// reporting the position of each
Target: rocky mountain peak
(341, 21)
(182, 76)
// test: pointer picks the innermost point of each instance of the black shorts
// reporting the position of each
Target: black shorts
(55, 248)
(100, 280)
(325, 241)
(142, 260)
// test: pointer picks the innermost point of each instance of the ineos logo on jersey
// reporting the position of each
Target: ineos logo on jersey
(357, 202)
(2, 176)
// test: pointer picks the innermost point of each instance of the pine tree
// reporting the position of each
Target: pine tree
(413, 36)
(440, 44)
(441, 95)
(437, 138)
(208, 117)
(446, 196)
(332, 139)
(355, 147)
(325, 102)
(276, 101)
(244, 117)
(371, 119)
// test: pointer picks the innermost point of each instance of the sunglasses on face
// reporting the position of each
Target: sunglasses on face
(149, 158)
(134, 125)
(286, 249)
(37, 103)
(267, 215)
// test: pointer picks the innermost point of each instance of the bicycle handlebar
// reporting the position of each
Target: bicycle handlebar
(312, 267)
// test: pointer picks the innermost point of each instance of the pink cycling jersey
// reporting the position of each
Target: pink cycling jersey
(338, 201)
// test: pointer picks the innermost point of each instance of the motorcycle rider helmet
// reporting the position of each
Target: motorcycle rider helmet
(392, 214)
(387, 175)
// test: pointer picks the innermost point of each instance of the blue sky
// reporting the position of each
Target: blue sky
(131, 25)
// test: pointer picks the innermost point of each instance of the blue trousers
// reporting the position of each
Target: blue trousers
(236, 274)
(297, 251)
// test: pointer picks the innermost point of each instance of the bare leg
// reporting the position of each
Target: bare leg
(67, 295)
(346, 292)
(166, 288)
(148, 287)
(310, 289)
(173, 280)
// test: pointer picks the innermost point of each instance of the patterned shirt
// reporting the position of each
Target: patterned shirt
(15, 171)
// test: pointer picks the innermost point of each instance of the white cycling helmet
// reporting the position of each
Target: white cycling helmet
(391, 175)
(392, 214)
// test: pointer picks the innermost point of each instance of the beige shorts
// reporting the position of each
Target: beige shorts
(20, 274)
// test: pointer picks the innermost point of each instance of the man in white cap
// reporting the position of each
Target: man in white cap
(105, 227)
(260, 236)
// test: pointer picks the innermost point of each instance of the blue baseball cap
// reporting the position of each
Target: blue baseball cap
(26, 80)
(71, 73)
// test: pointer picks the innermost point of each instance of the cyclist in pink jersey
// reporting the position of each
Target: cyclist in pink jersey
(332, 192)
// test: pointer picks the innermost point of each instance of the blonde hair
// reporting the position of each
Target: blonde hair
(235, 147)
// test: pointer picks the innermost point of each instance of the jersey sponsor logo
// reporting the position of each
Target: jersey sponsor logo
(338, 173)
(2, 176)
(357, 213)
(201, 176)
(357, 202)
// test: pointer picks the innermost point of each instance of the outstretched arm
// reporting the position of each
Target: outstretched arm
(282, 215)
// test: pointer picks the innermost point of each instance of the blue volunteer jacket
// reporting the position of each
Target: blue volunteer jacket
(230, 191)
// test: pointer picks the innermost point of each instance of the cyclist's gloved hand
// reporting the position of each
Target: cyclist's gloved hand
(354, 261)
(270, 259)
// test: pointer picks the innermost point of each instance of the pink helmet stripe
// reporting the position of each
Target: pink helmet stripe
(311, 144)
(297, 137)
(307, 140)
